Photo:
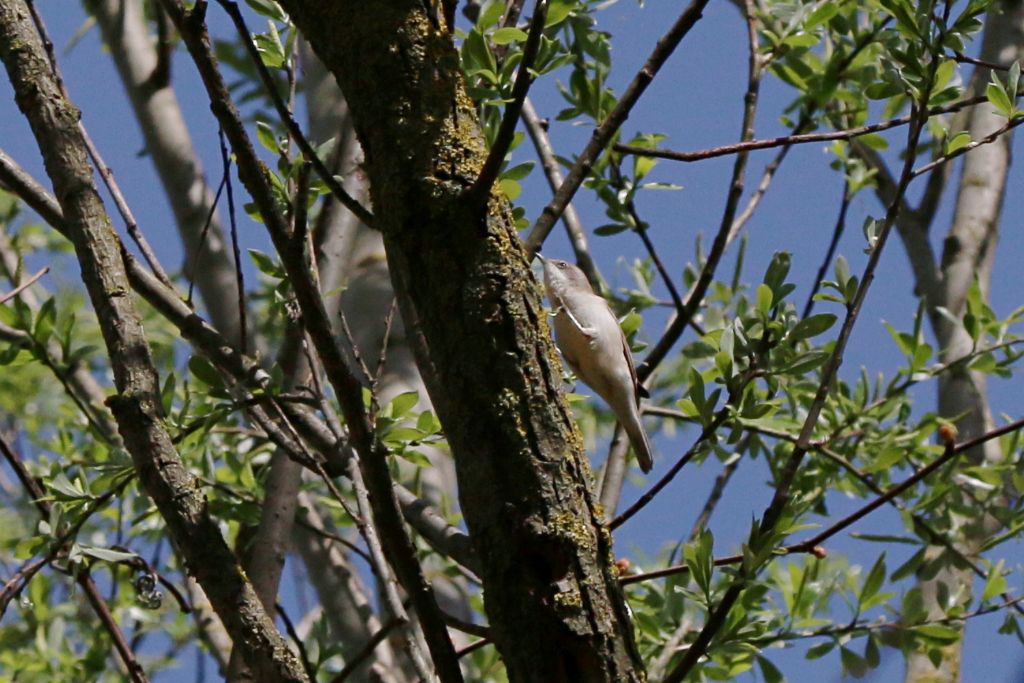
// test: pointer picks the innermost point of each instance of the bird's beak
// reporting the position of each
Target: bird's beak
(541, 257)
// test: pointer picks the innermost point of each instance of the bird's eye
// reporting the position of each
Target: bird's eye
(561, 264)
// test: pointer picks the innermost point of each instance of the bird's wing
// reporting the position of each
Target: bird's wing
(638, 389)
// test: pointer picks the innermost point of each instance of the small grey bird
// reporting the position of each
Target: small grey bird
(593, 344)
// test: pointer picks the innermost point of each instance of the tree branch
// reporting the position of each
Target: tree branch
(137, 405)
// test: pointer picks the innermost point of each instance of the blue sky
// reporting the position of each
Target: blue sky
(697, 100)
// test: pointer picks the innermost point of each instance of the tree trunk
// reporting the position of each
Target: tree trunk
(465, 289)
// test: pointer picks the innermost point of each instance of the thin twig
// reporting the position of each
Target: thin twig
(695, 297)
(389, 321)
(837, 233)
(289, 628)
(604, 133)
(473, 647)
(347, 200)
(197, 256)
(706, 434)
(991, 137)
(964, 59)
(225, 160)
(949, 454)
(813, 545)
(442, 536)
(715, 495)
(24, 285)
(793, 139)
(375, 640)
(105, 172)
(384, 575)
(92, 591)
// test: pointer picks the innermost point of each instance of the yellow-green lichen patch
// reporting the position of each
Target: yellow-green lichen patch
(570, 526)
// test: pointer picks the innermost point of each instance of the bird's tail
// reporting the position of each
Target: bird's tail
(639, 441)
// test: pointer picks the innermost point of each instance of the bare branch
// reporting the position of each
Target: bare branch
(537, 130)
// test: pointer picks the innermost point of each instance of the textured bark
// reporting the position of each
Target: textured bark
(464, 286)
(968, 253)
(136, 407)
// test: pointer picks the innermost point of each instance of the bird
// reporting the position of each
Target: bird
(592, 343)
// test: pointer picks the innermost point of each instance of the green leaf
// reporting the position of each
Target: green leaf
(958, 141)
(558, 10)
(268, 8)
(1013, 81)
(265, 264)
(769, 671)
(995, 583)
(491, 14)
(805, 362)
(853, 663)
(204, 371)
(403, 403)
(510, 188)
(776, 274)
(872, 584)
(42, 328)
(62, 485)
(428, 423)
(400, 435)
(519, 171)
(642, 166)
(270, 49)
(107, 554)
(998, 97)
(938, 633)
(415, 457)
(610, 229)
(811, 327)
(764, 299)
(509, 34)
(266, 136)
(700, 559)
(820, 650)
(801, 40)
(824, 12)
(889, 456)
